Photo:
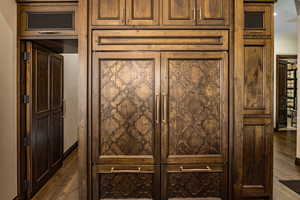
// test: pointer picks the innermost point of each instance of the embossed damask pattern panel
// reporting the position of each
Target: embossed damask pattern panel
(194, 107)
(126, 186)
(194, 185)
(127, 106)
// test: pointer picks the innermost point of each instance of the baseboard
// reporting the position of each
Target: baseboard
(297, 161)
(17, 198)
(70, 150)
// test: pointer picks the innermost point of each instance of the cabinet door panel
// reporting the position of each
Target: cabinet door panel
(126, 182)
(195, 107)
(142, 12)
(108, 12)
(258, 77)
(179, 12)
(194, 182)
(213, 12)
(125, 107)
(257, 157)
(258, 19)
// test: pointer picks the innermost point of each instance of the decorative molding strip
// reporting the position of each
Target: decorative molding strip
(70, 150)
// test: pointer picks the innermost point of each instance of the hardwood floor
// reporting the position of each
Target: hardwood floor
(284, 165)
(64, 185)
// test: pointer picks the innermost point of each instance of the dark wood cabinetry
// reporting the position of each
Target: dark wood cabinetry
(165, 90)
(161, 12)
(256, 147)
(158, 103)
(177, 99)
(49, 21)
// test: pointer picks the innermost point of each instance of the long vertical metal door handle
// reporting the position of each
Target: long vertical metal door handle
(157, 99)
(164, 115)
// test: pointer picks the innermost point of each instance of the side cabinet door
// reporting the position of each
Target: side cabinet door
(194, 124)
(257, 147)
(108, 12)
(142, 12)
(125, 105)
(38, 155)
(213, 12)
(56, 137)
(179, 12)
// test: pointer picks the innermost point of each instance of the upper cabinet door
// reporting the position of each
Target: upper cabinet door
(194, 107)
(179, 12)
(213, 12)
(108, 12)
(142, 12)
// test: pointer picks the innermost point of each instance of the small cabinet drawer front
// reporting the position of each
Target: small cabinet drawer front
(111, 40)
(48, 21)
(126, 182)
(258, 19)
(194, 182)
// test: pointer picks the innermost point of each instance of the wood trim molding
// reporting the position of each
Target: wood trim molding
(297, 161)
(84, 166)
(70, 150)
(17, 198)
(238, 62)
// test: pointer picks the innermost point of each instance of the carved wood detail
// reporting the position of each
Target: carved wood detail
(127, 106)
(194, 107)
(126, 186)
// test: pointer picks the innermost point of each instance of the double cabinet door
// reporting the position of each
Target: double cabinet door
(159, 125)
(172, 12)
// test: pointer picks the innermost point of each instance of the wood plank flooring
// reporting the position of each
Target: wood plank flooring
(284, 165)
(64, 185)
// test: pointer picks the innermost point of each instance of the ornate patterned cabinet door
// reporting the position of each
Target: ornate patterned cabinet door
(195, 124)
(125, 119)
(195, 107)
(125, 123)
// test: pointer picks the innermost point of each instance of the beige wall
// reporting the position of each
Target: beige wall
(8, 91)
(71, 74)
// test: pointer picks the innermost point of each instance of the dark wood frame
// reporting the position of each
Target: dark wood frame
(83, 104)
(278, 57)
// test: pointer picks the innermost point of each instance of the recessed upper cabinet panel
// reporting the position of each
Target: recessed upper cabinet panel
(258, 19)
(179, 12)
(213, 12)
(49, 20)
(108, 12)
(257, 77)
(142, 12)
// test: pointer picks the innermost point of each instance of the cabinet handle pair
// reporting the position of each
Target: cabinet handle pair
(164, 116)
